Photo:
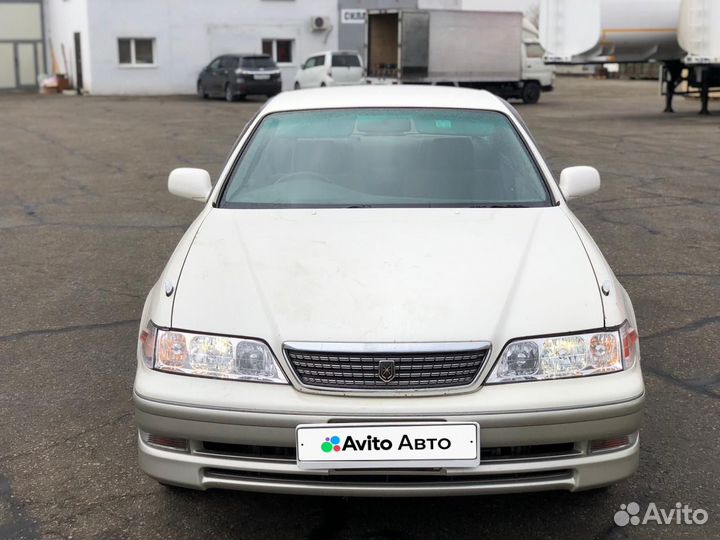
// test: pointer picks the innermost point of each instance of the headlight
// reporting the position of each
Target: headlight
(217, 357)
(561, 357)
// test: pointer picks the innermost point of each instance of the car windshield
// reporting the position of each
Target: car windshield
(385, 158)
(257, 62)
(345, 60)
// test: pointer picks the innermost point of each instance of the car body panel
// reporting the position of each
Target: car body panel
(387, 275)
(521, 399)
(383, 275)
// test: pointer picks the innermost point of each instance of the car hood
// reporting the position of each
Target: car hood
(387, 275)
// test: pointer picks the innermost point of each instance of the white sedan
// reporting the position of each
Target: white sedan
(386, 293)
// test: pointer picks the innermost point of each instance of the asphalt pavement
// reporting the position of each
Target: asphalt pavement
(86, 225)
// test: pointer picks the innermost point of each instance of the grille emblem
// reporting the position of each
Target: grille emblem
(386, 370)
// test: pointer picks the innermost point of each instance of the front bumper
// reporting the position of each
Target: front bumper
(573, 468)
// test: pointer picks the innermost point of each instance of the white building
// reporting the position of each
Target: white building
(160, 46)
(22, 50)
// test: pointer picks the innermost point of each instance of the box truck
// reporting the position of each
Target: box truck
(474, 49)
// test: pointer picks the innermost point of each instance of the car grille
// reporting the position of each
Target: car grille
(487, 453)
(408, 370)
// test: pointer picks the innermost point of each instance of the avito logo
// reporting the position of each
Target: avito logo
(330, 444)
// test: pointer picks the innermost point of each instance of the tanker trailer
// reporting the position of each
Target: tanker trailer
(682, 34)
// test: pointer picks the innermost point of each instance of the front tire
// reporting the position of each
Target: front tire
(229, 93)
(531, 93)
(323, 85)
(201, 90)
(297, 85)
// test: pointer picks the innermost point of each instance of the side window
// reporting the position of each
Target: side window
(320, 60)
(533, 50)
(215, 64)
(229, 62)
(310, 63)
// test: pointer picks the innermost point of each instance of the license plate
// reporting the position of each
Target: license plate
(262, 77)
(388, 445)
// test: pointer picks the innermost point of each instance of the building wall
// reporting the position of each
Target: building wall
(188, 34)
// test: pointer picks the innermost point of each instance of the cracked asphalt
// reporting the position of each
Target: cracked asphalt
(86, 225)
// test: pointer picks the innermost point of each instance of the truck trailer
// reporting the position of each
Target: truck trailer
(683, 35)
(472, 49)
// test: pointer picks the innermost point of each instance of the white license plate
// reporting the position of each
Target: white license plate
(262, 77)
(388, 445)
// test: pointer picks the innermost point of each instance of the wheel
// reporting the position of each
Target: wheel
(229, 94)
(297, 86)
(322, 85)
(531, 92)
(201, 90)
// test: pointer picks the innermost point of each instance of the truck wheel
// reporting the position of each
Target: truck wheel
(531, 92)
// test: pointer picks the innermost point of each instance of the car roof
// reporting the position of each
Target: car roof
(319, 53)
(419, 96)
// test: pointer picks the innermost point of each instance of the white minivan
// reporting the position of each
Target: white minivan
(331, 68)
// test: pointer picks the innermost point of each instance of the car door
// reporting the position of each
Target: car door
(303, 76)
(533, 66)
(317, 72)
(226, 72)
(209, 76)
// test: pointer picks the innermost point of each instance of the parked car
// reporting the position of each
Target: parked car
(386, 293)
(331, 68)
(234, 76)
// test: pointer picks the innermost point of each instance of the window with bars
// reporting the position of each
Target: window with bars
(280, 50)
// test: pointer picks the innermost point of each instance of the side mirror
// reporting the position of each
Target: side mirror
(190, 183)
(579, 181)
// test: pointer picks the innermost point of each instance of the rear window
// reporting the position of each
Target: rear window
(257, 62)
(345, 60)
(230, 62)
(385, 158)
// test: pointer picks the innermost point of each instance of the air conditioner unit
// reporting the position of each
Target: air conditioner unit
(319, 23)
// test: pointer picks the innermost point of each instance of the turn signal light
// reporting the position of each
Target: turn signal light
(616, 443)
